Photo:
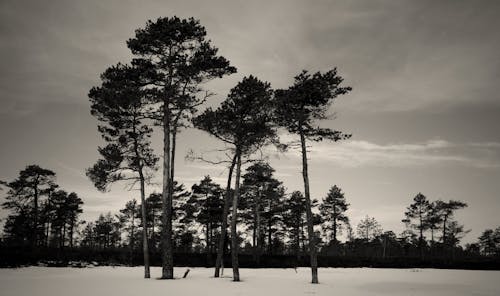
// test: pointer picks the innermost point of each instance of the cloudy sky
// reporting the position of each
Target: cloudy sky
(424, 111)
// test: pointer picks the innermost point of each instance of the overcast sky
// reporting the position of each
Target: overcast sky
(424, 111)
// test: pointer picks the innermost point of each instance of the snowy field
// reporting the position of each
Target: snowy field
(122, 281)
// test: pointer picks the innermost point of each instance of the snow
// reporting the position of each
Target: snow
(123, 281)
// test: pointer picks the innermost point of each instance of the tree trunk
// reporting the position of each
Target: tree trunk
(234, 219)
(297, 242)
(153, 240)
(421, 237)
(71, 229)
(310, 227)
(384, 247)
(254, 232)
(335, 230)
(145, 245)
(167, 251)
(225, 213)
(207, 247)
(35, 217)
(269, 238)
(444, 228)
(259, 229)
(63, 236)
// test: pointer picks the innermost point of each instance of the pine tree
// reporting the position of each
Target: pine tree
(419, 210)
(244, 122)
(333, 209)
(368, 228)
(175, 58)
(446, 211)
(119, 105)
(23, 197)
(297, 109)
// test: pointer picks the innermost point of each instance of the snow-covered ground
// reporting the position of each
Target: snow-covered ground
(122, 281)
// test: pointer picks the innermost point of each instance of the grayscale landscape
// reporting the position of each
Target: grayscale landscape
(249, 147)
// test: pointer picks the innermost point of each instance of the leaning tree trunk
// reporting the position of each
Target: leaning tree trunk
(225, 213)
(234, 218)
(167, 254)
(145, 245)
(310, 227)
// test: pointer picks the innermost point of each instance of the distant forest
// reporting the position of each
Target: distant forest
(44, 226)
(249, 221)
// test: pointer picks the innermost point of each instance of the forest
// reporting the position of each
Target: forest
(271, 225)
(252, 221)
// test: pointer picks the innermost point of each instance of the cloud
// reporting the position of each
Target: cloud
(435, 152)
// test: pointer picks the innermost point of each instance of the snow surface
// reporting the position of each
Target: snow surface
(123, 281)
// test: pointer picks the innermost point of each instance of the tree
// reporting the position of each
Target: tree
(332, 210)
(433, 219)
(176, 58)
(419, 210)
(489, 242)
(66, 209)
(261, 200)
(455, 233)
(183, 218)
(447, 210)
(73, 206)
(387, 238)
(119, 105)
(59, 203)
(368, 228)
(127, 217)
(106, 231)
(294, 218)
(244, 122)
(297, 109)
(207, 202)
(153, 214)
(33, 183)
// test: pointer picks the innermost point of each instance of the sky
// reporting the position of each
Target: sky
(424, 112)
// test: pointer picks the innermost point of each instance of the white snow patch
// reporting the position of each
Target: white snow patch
(123, 281)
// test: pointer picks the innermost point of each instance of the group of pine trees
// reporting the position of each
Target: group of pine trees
(41, 214)
(162, 87)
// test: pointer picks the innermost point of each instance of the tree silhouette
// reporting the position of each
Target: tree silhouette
(32, 183)
(207, 200)
(73, 205)
(446, 210)
(368, 228)
(127, 217)
(332, 210)
(175, 58)
(244, 122)
(419, 210)
(119, 105)
(297, 109)
(433, 219)
(261, 202)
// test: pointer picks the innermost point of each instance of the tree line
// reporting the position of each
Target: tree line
(271, 223)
